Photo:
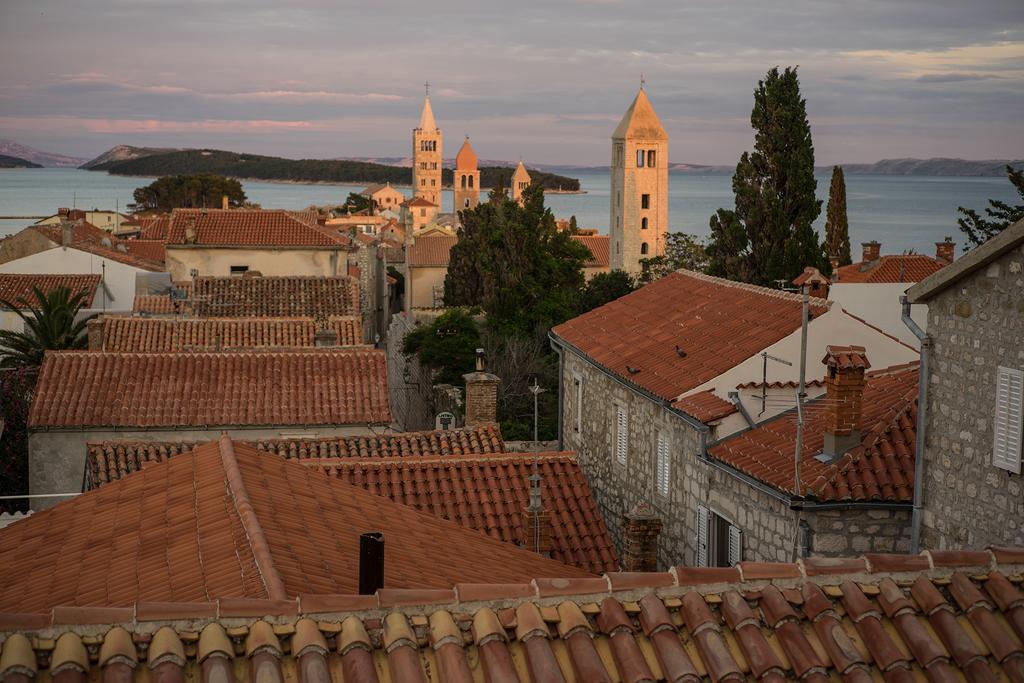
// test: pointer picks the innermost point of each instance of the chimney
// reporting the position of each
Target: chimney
(536, 521)
(325, 335)
(67, 233)
(190, 231)
(641, 527)
(481, 395)
(95, 328)
(946, 250)
(844, 398)
(834, 262)
(371, 562)
(63, 212)
(224, 202)
(871, 250)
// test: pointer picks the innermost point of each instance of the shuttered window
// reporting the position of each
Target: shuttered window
(735, 545)
(661, 471)
(1006, 425)
(578, 384)
(703, 522)
(621, 434)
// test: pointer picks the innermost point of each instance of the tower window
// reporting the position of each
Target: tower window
(462, 182)
(619, 154)
(645, 201)
(423, 182)
(643, 223)
(471, 182)
(639, 158)
(433, 182)
(466, 203)
(423, 212)
(651, 158)
(643, 246)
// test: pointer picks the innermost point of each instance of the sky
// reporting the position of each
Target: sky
(544, 81)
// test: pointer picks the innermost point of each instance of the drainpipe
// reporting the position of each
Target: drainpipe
(734, 396)
(922, 403)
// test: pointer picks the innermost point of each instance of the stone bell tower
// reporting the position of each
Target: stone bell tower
(466, 184)
(426, 157)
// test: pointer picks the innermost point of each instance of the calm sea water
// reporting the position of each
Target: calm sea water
(901, 212)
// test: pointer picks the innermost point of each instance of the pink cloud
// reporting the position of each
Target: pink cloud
(154, 125)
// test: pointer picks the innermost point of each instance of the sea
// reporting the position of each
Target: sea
(902, 212)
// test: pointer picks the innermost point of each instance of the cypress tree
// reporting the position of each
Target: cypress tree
(769, 236)
(837, 230)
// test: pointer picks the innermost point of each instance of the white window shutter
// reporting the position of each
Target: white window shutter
(735, 544)
(621, 428)
(662, 470)
(1006, 424)
(702, 536)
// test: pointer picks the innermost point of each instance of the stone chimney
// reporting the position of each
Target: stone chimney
(190, 231)
(641, 527)
(67, 233)
(844, 398)
(95, 331)
(946, 250)
(871, 250)
(536, 521)
(324, 335)
(481, 394)
(224, 202)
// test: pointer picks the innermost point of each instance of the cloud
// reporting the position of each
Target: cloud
(954, 77)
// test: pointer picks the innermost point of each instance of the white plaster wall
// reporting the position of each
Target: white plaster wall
(218, 262)
(879, 304)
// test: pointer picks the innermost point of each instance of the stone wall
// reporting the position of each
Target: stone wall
(976, 325)
(410, 386)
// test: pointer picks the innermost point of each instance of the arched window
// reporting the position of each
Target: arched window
(471, 182)
(466, 203)
(643, 223)
(643, 248)
(462, 179)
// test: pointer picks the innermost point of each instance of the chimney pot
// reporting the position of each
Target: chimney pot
(371, 562)
(641, 527)
(946, 250)
(480, 360)
(871, 251)
(844, 386)
(224, 202)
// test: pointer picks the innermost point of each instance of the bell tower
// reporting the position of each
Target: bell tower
(639, 187)
(426, 156)
(466, 183)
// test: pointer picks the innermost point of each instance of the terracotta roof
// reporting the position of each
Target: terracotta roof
(432, 251)
(111, 460)
(91, 239)
(160, 304)
(488, 493)
(225, 521)
(466, 159)
(275, 297)
(790, 384)
(892, 268)
(81, 389)
(684, 329)
(880, 468)
(598, 246)
(846, 357)
(155, 228)
(705, 406)
(249, 228)
(418, 201)
(147, 335)
(939, 616)
(810, 274)
(16, 286)
(153, 250)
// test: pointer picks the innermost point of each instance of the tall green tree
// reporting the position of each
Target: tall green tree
(50, 324)
(447, 346)
(605, 287)
(837, 229)
(513, 262)
(357, 203)
(189, 192)
(1000, 215)
(682, 250)
(769, 236)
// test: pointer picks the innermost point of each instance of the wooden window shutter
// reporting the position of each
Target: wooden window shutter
(621, 428)
(703, 522)
(1006, 424)
(662, 470)
(735, 544)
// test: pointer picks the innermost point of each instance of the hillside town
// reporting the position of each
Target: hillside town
(277, 445)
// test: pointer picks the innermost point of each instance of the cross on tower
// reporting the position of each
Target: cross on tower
(642, 81)
(426, 86)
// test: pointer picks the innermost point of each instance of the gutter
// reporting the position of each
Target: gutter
(561, 376)
(922, 403)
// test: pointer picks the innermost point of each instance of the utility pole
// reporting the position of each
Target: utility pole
(801, 394)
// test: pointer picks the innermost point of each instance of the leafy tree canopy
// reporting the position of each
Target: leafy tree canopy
(605, 287)
(999, 215)
(769, 235)
(49, 321)
(682, 250)
(189, 192)
(837, 229)
(447, 346)
(357, 203)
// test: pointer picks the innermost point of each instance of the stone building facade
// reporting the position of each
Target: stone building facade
(466, 181)
(976, 327)
(426, 157)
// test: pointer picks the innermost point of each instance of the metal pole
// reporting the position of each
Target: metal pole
(801, 394)
(922, 405)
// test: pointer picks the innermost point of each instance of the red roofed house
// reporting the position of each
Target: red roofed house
(231, 242)
(84, 396)
(648, 380)
(19, 291)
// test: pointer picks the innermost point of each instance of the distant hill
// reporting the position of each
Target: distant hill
(16, 162)
(935, 167)
(260, 167)
(124, 153)
(24, 152)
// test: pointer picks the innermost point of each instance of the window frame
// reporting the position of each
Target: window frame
(645, 201)
(1008, 419)
(641, 156)
(662, 465)
(620, 443)
(238, 271)
(577, 382)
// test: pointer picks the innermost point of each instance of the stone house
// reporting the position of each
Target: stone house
(384, 196)
(649, 380)
(972, 493)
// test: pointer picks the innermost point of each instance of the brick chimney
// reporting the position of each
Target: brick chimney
(95, 332)
(536, 521)
(871, 250)
(641, 527)
(946, 250)
(481, 394)
(844, 398)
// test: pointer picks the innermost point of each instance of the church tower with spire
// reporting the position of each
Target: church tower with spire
(466, 182)
(426, 157)
(639, 187)
(520, 181)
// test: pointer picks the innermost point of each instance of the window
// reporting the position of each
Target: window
(643, 223)
(471, 182)
(433, 182)
(643, 247)
(466, 204)
(645, 201)
(1006, 425)
(621, 434)
(423, 182)
(462, 182)
(639, 158)
(651, 159)
(239, 270)
(577, 383)
(619, 154)
(719, 541)
(661, 469)
(423, 212)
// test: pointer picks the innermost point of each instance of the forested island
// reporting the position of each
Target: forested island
(258, 167)
(7, 161)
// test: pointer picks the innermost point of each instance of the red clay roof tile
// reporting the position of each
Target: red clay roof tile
(430, 251)
(892, 268)
(705, 406)
(248, 228)
(151, 335)
(275, 297)
(15, 286)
